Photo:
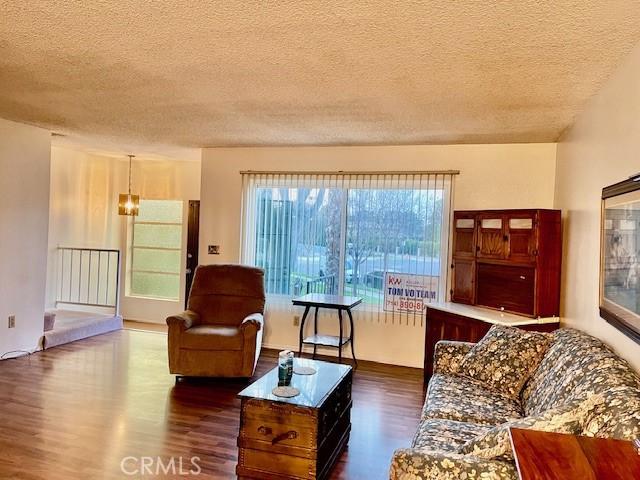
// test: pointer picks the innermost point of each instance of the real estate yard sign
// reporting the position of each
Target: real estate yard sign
(408, 293)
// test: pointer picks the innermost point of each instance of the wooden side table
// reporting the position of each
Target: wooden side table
(334, 302)
(551, 456)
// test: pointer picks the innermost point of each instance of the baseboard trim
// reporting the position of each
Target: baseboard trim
(331, 352)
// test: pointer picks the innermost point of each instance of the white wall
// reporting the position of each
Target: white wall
(84, 212)
(492, 176)
(24, 215)
(603, 147)
(83, 191)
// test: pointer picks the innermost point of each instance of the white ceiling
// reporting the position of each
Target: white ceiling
(160, 74)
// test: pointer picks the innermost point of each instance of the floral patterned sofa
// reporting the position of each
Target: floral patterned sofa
(580, 387)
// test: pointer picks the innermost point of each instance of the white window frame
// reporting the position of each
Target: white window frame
(312, 180)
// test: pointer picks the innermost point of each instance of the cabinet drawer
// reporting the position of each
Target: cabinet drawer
(280, 413)
(274, 432)
(506, 287)
(260, 464)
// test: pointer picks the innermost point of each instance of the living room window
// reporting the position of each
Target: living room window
(156, 250)
(382, 237)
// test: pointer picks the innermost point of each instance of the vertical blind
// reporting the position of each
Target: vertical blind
(376, 235)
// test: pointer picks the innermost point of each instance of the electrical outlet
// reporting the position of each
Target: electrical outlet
(296, 320)
(12, 321)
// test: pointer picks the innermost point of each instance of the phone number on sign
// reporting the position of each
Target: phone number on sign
(405, 304)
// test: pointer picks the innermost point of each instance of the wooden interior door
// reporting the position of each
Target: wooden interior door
(193, 243)
(491, 236)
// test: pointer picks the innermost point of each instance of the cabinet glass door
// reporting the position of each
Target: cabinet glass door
(491, 237)
(521, 238)
(464, 236)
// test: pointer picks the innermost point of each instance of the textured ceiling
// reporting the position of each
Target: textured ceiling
(194, 74)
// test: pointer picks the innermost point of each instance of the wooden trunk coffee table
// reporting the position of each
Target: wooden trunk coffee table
(299, 437)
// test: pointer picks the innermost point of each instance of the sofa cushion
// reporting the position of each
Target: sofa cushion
(212, 337)
(422, 464)
(575, 366)
(504, 359)
(569, 418)
(618, 416)
(449, 435)
(465, 400)
(448, 355)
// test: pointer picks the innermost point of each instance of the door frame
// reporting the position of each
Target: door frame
(193, 244)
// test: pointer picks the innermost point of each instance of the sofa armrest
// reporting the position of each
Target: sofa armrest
(448, 354)
(251, 328)
(177, 325)
(413, 463)
(253, 321)
(183, 320)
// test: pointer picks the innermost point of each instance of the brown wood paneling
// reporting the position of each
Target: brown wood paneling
(549, 263)
(463, 281)
(464, 239)
(491, 242)
(541, 327)
(505, 287)
(465, 244)
(522, 242)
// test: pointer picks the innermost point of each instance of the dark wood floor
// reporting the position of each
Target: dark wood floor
(74, 412)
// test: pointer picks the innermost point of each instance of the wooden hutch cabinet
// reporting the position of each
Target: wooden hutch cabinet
(508, 260)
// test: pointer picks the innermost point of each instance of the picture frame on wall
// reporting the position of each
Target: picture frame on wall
(620, 256)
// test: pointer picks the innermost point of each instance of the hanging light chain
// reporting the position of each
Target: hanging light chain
(130, 159)
(129, 204)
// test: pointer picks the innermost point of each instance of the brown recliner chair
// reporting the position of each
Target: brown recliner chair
(220, 334)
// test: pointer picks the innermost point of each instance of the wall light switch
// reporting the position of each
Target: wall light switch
(296, 321)
(12, 321)
(214, 249)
